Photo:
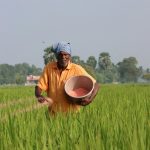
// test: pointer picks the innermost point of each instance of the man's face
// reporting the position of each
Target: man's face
(63, 59)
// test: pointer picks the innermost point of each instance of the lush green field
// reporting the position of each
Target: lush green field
(118, 119)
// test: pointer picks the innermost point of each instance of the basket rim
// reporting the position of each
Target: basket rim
(83, 95)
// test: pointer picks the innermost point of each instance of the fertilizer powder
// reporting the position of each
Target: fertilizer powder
(78, 92)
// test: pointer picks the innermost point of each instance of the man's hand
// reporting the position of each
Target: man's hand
(41, 99)
(84, 102)
(88, 100)
(45, 100)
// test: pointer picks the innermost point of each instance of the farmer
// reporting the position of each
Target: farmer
(53, 79)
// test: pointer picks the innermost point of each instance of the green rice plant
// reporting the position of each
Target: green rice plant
(118, 119)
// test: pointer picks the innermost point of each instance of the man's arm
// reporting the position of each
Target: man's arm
(38, 95)
(87, 101)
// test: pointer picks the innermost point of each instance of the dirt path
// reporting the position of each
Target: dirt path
(12, 102)
(30, 108)
(24, 110)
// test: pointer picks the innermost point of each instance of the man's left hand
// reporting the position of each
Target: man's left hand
(84, 102)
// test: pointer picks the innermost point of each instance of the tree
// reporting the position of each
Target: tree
(104, 62)
(17, 74)
(19, 79)
(100, 77)
(106, 68)
(89, 69)
(49, 55)
(76, 59)
(7, 74)
(127, 70)
(91, 61)
(35, 71)
(141, 70)
(147, 70)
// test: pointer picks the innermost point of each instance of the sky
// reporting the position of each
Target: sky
(119, 27)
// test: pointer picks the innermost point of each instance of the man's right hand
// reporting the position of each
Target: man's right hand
(41, 99)
(45, 100)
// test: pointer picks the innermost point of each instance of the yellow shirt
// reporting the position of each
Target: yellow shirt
(52, 81)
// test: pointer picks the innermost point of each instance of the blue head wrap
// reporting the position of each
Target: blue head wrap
(62, 46)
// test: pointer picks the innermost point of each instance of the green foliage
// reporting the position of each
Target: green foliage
(100, 78)
(76, 59)
(7, 74)
(107, 69)
(118, 118)
(17, 74)
(49, 55)
(128, 70)
(92, 62)
(147, 70)
(104, 70)
(90, 70)
(104, 61)
(19, 79)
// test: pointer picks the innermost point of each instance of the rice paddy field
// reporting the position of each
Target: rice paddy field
(118, 119)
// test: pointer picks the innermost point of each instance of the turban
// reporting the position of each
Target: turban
(62, 46)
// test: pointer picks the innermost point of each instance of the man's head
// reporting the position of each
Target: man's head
(63, 53)
(61, 46)
(63, 59)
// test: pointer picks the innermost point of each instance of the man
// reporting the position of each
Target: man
(53, 79)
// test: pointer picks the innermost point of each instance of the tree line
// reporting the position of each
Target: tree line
(104, 70)
(16, 74)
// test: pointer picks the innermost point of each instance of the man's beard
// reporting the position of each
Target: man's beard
(63, 63)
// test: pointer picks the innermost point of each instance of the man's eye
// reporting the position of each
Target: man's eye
(64, 55)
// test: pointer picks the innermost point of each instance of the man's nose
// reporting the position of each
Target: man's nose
(63, 56)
